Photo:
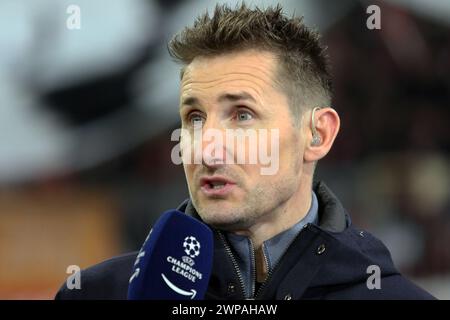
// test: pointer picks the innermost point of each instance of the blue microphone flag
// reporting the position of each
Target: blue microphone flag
(175, 260)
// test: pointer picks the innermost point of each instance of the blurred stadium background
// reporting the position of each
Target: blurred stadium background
(86, 117)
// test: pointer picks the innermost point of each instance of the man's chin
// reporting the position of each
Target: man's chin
(220, 216)
(227, 225)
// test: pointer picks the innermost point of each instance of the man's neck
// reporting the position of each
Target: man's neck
(287, 215)
(281, 220)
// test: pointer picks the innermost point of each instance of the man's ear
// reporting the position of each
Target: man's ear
(323, 128)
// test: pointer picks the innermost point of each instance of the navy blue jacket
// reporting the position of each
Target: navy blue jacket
(328, 261)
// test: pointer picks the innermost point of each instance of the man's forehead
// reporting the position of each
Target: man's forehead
(260, 63)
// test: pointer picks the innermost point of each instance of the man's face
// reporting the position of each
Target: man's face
(237, 91)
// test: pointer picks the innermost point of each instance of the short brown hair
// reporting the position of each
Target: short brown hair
(303, 70)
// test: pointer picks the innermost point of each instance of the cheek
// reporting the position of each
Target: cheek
(189, 172)
(291, 151)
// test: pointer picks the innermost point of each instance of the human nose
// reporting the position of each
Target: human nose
(214, 151)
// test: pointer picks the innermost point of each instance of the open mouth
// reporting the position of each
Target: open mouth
(216, 185)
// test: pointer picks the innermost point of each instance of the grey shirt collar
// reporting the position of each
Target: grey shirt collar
(273, 248)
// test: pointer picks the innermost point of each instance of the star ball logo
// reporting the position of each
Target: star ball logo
(191, 246)
(185, 266)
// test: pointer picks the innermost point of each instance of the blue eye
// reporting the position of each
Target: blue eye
(244, 116)
(196, 119)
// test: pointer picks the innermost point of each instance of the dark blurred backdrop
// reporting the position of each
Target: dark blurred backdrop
(86, 117)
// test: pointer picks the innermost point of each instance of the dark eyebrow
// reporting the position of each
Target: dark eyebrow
(236, 97)
(189, 101)
(192, 101)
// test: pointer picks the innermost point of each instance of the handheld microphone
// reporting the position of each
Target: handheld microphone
(175, 261)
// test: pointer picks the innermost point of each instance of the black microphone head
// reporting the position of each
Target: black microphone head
(175, 261)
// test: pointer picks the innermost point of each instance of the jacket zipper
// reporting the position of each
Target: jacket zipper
(253, 264)
(233, 261)
(269, 275)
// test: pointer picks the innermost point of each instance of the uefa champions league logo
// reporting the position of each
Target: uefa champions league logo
(191, 246)
(184, 268)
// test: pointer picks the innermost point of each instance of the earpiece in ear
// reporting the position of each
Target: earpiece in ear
(316, 139)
